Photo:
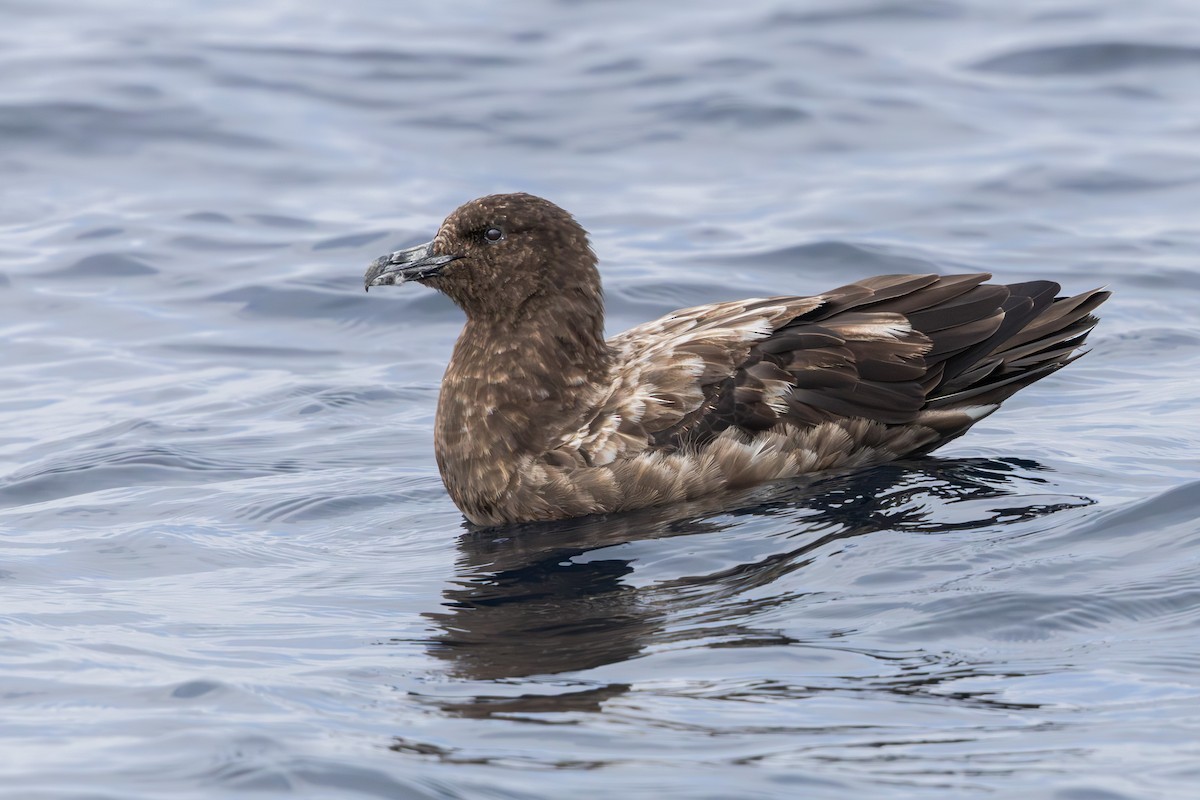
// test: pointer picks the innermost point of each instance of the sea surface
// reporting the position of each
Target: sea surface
(228, 568)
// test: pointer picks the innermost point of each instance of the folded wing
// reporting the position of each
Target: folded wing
(938, 351)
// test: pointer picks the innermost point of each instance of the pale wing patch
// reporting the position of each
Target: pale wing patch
(974, 413)
(662, 367)
(876, 327)
(775, 394)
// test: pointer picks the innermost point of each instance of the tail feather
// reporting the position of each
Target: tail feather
(1060, 315)
(1040, 334)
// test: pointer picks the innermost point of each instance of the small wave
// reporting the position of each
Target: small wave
(914, 10)
(834, 259)
(104, 265)
(90, 127)
(1172, 507)
(1087, 59)
(406, 492)
(368, 55)
(350, 240)
(729, 109)
(115, 467)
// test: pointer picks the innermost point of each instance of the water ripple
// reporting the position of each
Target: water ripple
(231, 568)
(1089, 58)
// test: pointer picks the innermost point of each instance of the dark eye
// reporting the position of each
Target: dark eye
(493, 234)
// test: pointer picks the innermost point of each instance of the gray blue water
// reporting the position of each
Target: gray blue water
(228, 568)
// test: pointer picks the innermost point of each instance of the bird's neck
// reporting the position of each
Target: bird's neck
(512, 389)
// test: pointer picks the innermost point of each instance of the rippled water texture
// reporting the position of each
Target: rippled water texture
(228, 567)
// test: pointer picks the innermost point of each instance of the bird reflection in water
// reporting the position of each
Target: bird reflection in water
(554, 598)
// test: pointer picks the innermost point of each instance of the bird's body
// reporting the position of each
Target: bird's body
(540, 418)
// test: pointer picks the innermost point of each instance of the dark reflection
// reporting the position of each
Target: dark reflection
(522, 706)
(552, 598)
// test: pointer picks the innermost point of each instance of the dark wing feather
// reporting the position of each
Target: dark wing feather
(894, 349)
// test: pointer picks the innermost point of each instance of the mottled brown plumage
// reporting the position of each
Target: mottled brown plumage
(540, 418)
